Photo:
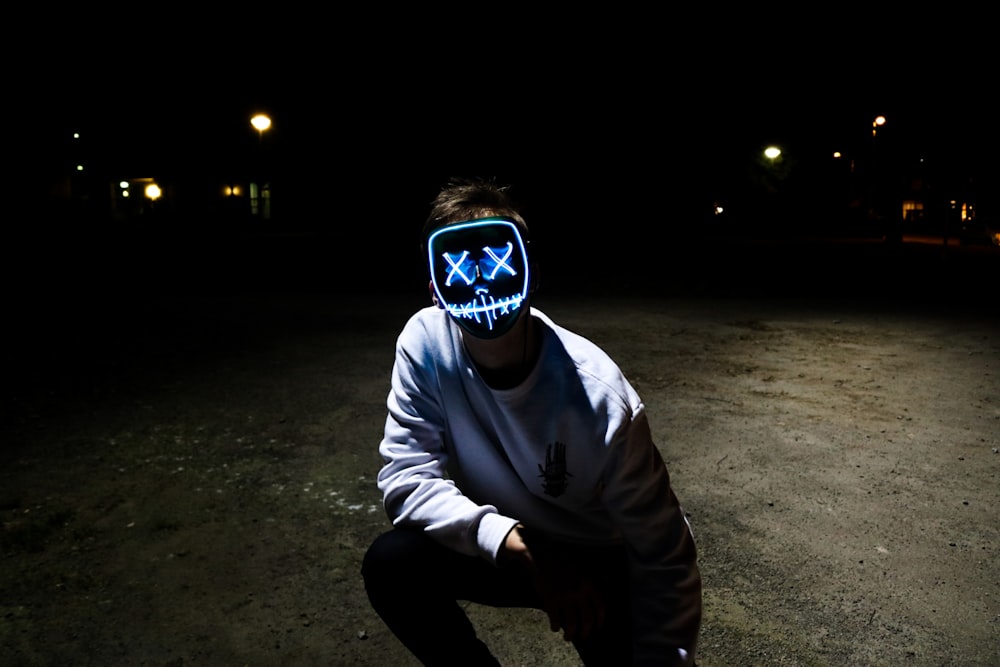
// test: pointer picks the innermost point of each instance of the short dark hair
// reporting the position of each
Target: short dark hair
(464, 199)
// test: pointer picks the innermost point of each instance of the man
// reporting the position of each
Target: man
(519, 467)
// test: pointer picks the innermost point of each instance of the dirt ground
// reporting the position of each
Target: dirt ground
(189, 480)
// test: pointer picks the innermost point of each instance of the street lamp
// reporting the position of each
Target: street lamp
(260, 122)
(876, 192)
(878, 122)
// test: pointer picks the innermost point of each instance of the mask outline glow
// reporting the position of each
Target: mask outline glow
(481, 314)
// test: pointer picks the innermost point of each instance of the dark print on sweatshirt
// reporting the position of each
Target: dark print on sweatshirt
(554, 473)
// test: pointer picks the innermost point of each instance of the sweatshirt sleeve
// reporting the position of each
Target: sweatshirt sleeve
(413, 480)
(666, 583)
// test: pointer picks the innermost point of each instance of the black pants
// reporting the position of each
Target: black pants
(414, 584)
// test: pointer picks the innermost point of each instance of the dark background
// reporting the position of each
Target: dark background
(618, 132)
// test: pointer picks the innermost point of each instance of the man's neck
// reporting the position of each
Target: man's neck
(506, 361)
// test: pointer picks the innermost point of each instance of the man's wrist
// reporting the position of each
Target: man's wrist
(491, 533)
(513, 550)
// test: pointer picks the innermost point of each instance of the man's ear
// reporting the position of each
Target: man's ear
(434, 296)
(535, 279)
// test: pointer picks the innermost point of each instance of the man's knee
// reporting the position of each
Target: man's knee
(393, 554)
(381, 555)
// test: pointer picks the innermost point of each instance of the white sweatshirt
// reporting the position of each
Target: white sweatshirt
(568, 453)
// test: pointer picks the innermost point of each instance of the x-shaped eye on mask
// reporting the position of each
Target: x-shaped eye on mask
(488, 267)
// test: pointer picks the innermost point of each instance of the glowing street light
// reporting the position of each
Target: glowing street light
(876, 191)
(772, 152)
(260, 122)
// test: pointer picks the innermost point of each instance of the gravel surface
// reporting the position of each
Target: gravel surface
(188, 479)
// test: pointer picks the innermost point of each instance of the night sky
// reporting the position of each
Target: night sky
(617, 97)
(613, 123)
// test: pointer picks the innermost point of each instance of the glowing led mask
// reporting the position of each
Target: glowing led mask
(480, 274)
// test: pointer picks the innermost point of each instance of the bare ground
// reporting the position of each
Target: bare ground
(190, 480)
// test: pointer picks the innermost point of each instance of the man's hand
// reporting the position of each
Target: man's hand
(514, 551)
(573, 605)
(569, 598)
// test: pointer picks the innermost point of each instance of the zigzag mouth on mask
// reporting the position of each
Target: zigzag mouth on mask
(490, 311)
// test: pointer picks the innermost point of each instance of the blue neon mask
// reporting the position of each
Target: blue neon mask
(479, 270)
